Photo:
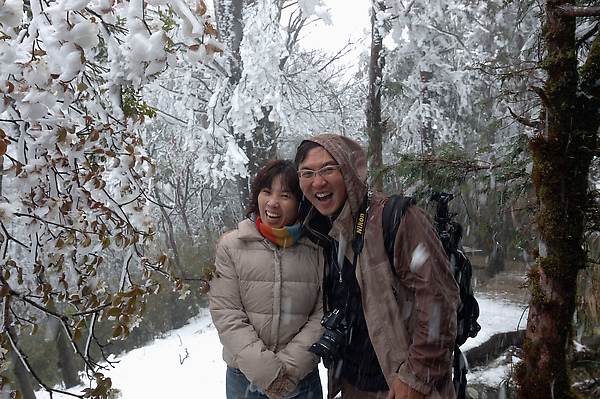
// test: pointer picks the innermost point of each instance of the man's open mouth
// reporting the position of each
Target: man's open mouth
(323, 196)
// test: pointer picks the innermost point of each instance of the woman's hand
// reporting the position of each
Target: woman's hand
(400, 390)
(281, 386)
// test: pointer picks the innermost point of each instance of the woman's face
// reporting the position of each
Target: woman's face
(277, 205)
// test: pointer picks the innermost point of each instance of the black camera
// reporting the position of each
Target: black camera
(336, 330)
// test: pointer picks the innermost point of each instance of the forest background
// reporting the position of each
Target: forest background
(130, 130)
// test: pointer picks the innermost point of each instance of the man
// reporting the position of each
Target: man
(402, 322)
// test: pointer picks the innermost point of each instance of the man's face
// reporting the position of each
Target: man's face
(327, 193)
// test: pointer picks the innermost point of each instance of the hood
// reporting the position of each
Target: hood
(352, 158)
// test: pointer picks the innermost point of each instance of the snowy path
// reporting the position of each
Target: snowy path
(497, 315)
(187, 362)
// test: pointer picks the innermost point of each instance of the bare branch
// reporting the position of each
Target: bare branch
(527, 122)
(569, 10)
(22, 356)
(545, 100)
(587, 35)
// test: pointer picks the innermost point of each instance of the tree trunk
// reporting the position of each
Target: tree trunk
(65, 352)
(562, 155)
(229, 17)
(22, 376)
(66, 360)
(375, 126)
(169, 231)
(20, 370)
(260, 150)
(230, 24)
(427, 136)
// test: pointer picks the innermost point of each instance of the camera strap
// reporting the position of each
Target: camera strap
(357, 244)
(359, 226)
(358, 240)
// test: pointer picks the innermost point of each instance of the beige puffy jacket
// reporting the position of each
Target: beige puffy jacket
(266, 304)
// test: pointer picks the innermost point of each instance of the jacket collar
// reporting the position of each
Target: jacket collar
(247, 230)
(321, 228)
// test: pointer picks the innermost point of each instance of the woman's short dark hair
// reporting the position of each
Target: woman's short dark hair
(284, 169)
(302, 151)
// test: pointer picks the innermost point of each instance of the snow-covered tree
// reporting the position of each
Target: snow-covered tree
(446, 71)
(76, 180)
(274, 92)
(226, 118)
(433, 77)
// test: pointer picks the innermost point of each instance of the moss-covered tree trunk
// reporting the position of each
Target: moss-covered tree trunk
(562, 152)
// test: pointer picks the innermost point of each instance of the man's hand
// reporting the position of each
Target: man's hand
(400, 390)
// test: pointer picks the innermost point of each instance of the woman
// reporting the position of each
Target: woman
(266, 303)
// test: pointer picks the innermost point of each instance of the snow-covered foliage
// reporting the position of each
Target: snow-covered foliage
(75, 177)
(454, 72)
(256, 100)
(434, 82)
(292, 88)
(444, 75)
(279, 83)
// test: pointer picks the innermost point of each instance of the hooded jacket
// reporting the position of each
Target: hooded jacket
(410, 314)
(266, 304)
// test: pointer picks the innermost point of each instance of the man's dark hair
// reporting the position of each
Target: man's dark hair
(265, 177)
(302, 151)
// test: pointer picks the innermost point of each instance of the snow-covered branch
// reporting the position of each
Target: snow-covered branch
(74, 171)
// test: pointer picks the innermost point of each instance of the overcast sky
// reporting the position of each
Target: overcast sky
(350, 22)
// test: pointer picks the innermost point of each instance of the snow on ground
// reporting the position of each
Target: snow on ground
(187, 363)
(496, 316)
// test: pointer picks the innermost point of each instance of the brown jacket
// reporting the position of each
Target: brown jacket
(266, 304)
(411, 316)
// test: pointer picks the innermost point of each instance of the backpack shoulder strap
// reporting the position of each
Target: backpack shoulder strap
(393, 210)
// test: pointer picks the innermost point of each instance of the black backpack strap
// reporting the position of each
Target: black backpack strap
(393, 210)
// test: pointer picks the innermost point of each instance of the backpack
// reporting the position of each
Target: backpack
(450, 234)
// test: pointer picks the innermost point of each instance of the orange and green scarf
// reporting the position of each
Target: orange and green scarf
(284, 237)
